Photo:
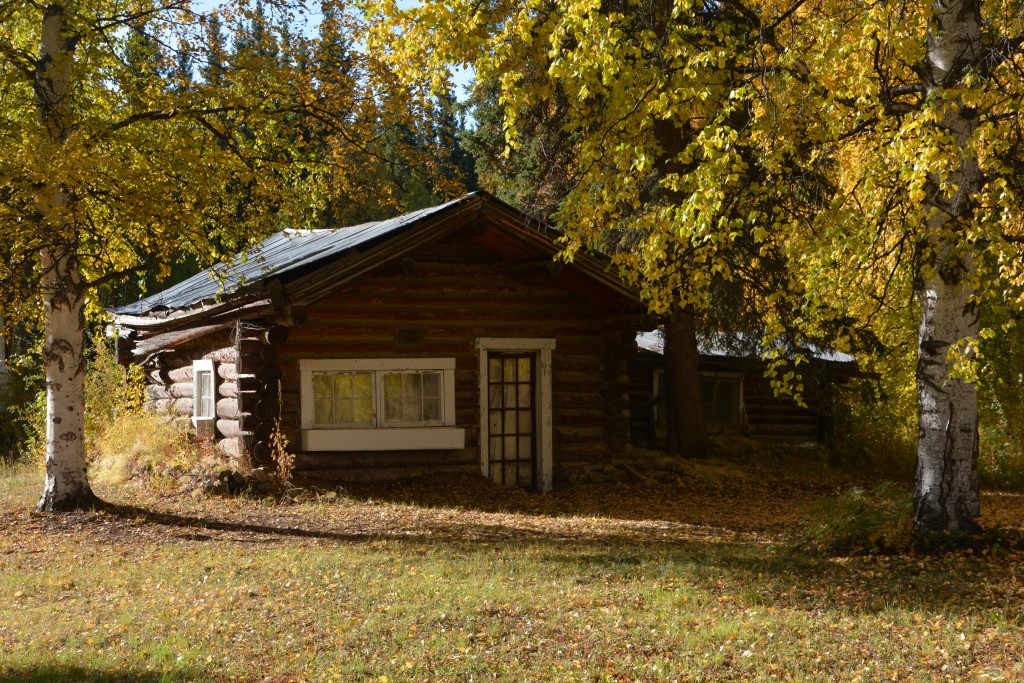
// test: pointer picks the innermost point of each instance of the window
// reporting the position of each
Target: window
(204, 397)
(379, 404)
(721, 396)
(721, 399)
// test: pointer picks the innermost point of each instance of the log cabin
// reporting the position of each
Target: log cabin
(449, 339)
(737, 399)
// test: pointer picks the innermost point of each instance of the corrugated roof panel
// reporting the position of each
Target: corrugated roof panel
(279, 254)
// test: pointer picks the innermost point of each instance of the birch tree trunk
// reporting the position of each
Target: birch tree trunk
(66, 485)
(687, 431)
(946, 495)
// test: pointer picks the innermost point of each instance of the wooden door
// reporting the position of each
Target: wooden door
(512, 418)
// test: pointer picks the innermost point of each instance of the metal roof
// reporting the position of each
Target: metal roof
(280, 254)
(723, 345)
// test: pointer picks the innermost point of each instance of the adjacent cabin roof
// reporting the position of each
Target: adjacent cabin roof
(724, 345)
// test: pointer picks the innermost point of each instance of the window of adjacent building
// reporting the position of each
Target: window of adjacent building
(721, 399)
(204, 397)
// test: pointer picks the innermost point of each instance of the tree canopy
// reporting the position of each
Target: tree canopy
(873, 151)
(135, 134)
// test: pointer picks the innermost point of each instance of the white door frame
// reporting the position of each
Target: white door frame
(543, 348)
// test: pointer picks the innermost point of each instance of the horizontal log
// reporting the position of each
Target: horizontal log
(231, 389)
(233, 447)
(157, 391)
(230, 429)
(249, 348)
(268, 373)
(227, 371)
(159, 375)
(224, 355)
(182, 374)
(227, 408)
(181, 390)
(175, 406)
(273, 335)
(266, 409)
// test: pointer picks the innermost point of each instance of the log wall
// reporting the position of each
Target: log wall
(436, 303)
(767, 418)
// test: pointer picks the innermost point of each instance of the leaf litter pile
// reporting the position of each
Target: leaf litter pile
(453, 579)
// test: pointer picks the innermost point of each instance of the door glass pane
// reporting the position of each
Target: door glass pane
(525, 395)
(494, 370)
(524, 369)
(525, 422)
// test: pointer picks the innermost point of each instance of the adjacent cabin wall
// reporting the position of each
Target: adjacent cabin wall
(767, 418)
(247, 385)
(436, 303)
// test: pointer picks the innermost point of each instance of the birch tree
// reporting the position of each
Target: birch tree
(108, 171)
(873, 150)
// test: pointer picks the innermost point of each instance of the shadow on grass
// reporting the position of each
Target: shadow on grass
(61, 673)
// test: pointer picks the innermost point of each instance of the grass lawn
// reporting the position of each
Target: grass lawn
(451, 579)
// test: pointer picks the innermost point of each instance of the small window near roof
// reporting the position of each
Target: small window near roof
(204, 399)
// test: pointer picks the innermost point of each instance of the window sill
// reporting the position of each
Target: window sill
(397, 439)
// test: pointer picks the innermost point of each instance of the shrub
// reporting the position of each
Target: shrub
(110, 389)
(142, 446)
(862, 522)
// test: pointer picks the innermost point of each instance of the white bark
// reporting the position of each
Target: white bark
(946, 496)
(66, 485)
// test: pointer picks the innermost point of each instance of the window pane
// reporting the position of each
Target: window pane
(392, 385)
(323, 411)
(525, 395)
(494, 369)
(411, 410)
(525, 423)
(362, 411)
(432, 409)
(411, 386)
(362, 385)
(343, 385)
(204, 394)
(323, 387)
(524, 369)
(431, 384)
(392, 410)
(510, 369)
(343, 411)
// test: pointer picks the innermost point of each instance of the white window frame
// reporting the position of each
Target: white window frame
(433, 435)
(545, 450)
(205, 425)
